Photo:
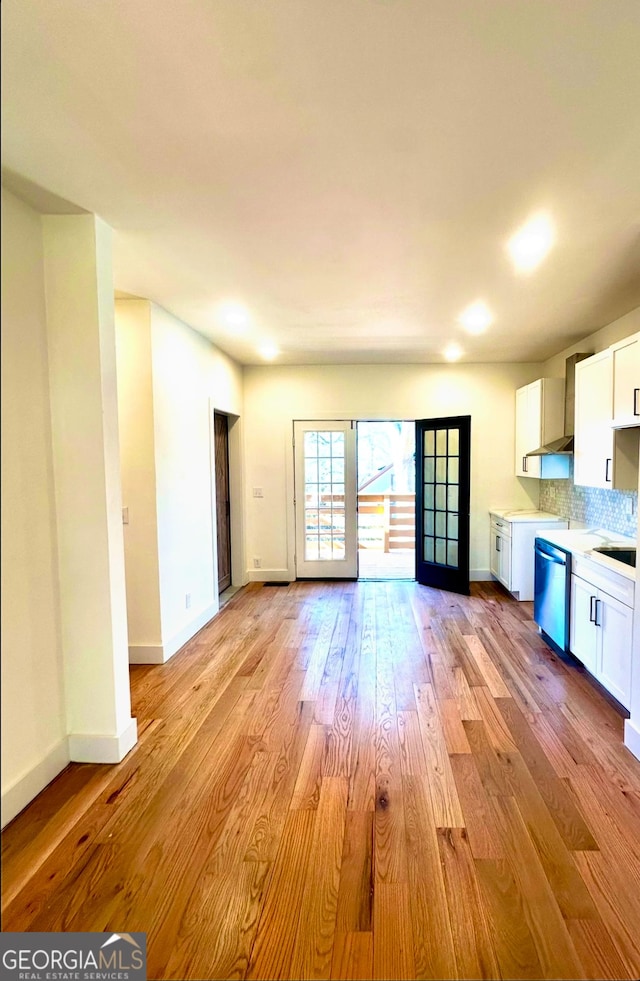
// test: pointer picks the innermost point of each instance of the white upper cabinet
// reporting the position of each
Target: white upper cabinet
(626, 382)
(539, 419)
(593, 452)
(603, 457)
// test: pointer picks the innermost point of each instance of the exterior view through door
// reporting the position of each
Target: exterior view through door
(386, 499)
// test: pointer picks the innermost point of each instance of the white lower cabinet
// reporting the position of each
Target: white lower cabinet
(601, 631)
(512, 548)
(501, 554)
(583, 634)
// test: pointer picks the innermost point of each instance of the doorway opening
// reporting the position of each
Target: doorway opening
(386, 475)
(223, 506)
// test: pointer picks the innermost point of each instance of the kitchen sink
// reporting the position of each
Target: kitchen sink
(622, 553)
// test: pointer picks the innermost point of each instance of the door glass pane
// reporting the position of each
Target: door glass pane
(452, 553)
(441, 497)
(452, 531)
(441, 524)
(441, 551)
(429, 524)
(429, 500)
(454, 469)
(441, 442)
(324, 444)
(428, 548)
(441, 469)
(324, 515)
(429, 443)
(454, 442)
(429, 469)
(452, 498)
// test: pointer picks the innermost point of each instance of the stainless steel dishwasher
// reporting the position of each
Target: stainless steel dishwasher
(552, 593)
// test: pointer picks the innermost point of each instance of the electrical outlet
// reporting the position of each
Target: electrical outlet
(187, 601)
(257, 492)
(630, 505)
(257, 563)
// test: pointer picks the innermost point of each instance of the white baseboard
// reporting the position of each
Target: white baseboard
(480, 575)
(151, 654)
(269, 575)
(159, 653)
(632, 737)
(181, 638)
(22, 792)
(97, 748)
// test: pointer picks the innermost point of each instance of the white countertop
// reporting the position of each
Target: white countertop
(531, 515)
(582, 541)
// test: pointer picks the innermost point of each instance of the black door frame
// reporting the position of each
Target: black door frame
(431, 573)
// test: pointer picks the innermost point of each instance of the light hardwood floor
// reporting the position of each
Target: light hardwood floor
(351, 780)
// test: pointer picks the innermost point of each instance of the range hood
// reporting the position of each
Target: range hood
(564, 445)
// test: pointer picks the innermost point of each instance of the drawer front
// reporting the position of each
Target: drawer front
(608, 581)
(501, 527)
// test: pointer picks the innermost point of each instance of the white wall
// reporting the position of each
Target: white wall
(137, 464)
(171, 379)
(274, 396)
(34, 745)
(86, 465)
(595, 342)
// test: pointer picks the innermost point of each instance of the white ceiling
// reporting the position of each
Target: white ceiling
(348, 169)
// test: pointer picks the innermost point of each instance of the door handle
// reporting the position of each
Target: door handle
(606, 470)
(592, 612)
(524, 463)
(595, 619)
(498, 549)
(636, 393)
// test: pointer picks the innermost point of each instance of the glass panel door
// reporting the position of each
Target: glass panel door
(325, 500)
(442, 503)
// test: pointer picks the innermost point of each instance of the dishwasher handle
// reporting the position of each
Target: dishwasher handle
(550, 558)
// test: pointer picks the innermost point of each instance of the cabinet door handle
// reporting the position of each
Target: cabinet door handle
(498, 549)
(607, 465)
(597, 622)
(524, 463)
(636, 393)
(592, 613)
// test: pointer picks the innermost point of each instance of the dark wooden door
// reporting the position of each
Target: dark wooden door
(443, 483)
(223, 510)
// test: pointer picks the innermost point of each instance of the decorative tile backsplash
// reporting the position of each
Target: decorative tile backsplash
(597, 508)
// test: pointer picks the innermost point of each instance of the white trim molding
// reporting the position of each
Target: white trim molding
(151, 654)
(269, 575)
(28, 786)
(632, 737)
(100, 748)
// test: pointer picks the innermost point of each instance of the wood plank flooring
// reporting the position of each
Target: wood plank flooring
(351, 780)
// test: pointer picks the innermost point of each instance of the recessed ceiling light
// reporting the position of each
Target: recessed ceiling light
(476, 318)
(531, 243)
(234, 316)
(452, 352)
(268, 352)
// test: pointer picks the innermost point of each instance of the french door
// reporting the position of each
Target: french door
(325, 500)
(443, 472)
